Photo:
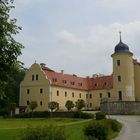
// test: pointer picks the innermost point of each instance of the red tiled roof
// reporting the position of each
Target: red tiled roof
(72, 81)
(135, 62)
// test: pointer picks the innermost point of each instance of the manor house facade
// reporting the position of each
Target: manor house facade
(43, 85)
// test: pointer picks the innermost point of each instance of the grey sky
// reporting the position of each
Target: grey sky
(77, 36)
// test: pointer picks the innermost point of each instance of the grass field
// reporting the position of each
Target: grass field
(10, 128)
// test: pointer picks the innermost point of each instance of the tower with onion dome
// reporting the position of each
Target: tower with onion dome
(123, 73)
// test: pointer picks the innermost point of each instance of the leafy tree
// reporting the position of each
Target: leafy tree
(53, 105)
(79, 104)
(69, 105)
(12, 108)
(33, 105)
(10, 49)
(12, 89)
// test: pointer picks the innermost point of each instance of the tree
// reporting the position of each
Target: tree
(69, 105)
(79, 104)
(10, 49)
(33, 105)
(12, 108)
(53, 105)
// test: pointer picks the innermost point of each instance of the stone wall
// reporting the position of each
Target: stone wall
(121, 107)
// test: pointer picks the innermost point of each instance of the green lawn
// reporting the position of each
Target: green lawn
(10, 128)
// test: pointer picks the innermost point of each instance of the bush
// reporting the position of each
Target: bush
(100, 116)
(38, 114)
(42, 133)
(97, 131)
(115, 126)
(83, 115)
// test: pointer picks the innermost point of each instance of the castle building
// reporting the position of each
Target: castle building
(43, 85)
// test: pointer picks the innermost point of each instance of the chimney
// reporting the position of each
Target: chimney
(42, 64)
(62, 71)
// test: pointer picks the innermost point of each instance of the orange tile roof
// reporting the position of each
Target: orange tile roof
(135, 62)
(72, 81)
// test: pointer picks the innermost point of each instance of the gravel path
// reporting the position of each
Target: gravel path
(131, 128)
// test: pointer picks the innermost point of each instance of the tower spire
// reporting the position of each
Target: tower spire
(120, 36)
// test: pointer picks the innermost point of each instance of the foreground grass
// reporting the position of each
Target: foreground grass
(10, 128)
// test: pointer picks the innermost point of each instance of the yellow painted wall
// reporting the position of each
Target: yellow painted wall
(137, 81)
(34, 87)
(96, 99)
(126, 71)
(61, 99)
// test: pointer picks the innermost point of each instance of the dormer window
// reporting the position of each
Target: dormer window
(105, 83)
(72, 83)
(64, 81)
(80, 84)
(95, 84)
(54, 79)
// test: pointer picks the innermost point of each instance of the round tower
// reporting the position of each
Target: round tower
(123, 73)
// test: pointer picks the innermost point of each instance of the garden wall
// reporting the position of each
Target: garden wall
(121, 107)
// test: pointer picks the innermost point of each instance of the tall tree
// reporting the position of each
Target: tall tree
(10, 49)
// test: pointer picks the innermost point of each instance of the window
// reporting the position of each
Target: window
(72, 83)
(90, 96)
(65, 94)
(40, 103)
(33, 78)
(36, 76)
(100, 95)
(105, 83)
(87, 96)
(118, 63)
(120, 95)
(54, 79)
(57, 92)
(64, 81)
(80, 95)
(72, 94)
(119, 78)
(28, 91)
(41, 90)
(95, 84)
(109, 94)
(80, 84)
(28, 102)
(90, 104)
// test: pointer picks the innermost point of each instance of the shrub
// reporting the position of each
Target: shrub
(39, 114)
(100, 115)
(115, 126)
(97, 131)
(83, 115)
(43, 133)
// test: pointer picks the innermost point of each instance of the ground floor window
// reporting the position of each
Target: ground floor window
(120, 95)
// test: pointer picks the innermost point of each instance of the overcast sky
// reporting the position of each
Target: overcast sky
(77, 36)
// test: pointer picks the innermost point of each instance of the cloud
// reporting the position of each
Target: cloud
(70, 38)
(99, 44)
